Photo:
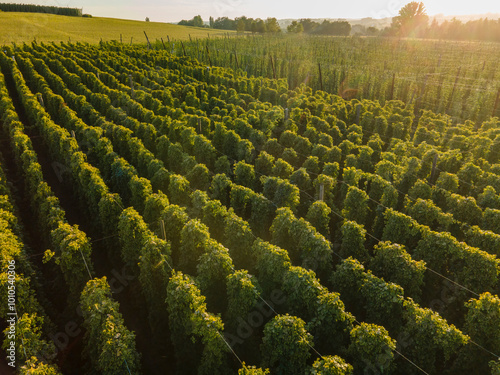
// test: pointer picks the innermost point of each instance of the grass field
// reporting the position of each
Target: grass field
(24, 27)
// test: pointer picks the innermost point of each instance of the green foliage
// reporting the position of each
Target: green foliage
(153, 208)
(281, 192)
(110, 346)
(29, 328)
(244, 174)
(213, 267)
(285, 345)
(372, 348)
(448, 182)
(331, 365)
(465, 209)
(35, 367)
(302, 290)
(179, 190)
(264, 163)
(71, 245)
(393, 263)
(319, 217)
(154, 272)
(430, 335)
(173, 218)
(482, 325)
(401, 229)
(331, 324)
(380, 301)
(427, 213)
(473, 268)
(272, 264)
(141, 189)
(301, 240)
(188, 318)
(238, 237)
(282, 169)
(194, 241)
(489, 198)
(482, 239)
(132, 233)
(243, 292)
(252, 370)
(74, 97)
(312, 165)
(353, 241)
(220, 188)
(491, 220)
(223, 166)
(199, 177)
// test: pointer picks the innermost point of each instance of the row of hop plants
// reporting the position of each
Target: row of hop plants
(127, 229)
(101, 326)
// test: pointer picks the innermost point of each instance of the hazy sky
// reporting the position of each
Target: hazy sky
(175, 10)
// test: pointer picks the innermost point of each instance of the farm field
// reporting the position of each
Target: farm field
(461, 79)
(163, 214)
(16, 27)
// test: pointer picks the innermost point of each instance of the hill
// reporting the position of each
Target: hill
(24, 27)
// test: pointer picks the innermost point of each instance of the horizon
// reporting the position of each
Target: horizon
(176, 10)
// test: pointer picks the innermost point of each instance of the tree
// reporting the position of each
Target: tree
(272, 25)
(340, 28)
(198, 21)
(147, 19)
(308, 25)
(240, 26)
(295, 27)
(224, 23)
(411, 18)
(258, 26)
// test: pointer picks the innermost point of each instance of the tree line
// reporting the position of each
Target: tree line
(412, 21)
(31, 8)
(271, 25)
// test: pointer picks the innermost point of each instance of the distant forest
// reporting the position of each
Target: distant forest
(30, 8)
(271, 25)
(482, 29)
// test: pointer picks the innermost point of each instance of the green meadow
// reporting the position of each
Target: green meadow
(25, 27)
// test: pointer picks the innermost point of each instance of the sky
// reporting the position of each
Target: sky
(175, 10)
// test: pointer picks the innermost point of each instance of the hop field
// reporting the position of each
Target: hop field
(167, 215)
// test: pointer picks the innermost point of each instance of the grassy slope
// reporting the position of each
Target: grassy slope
(24, 27)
